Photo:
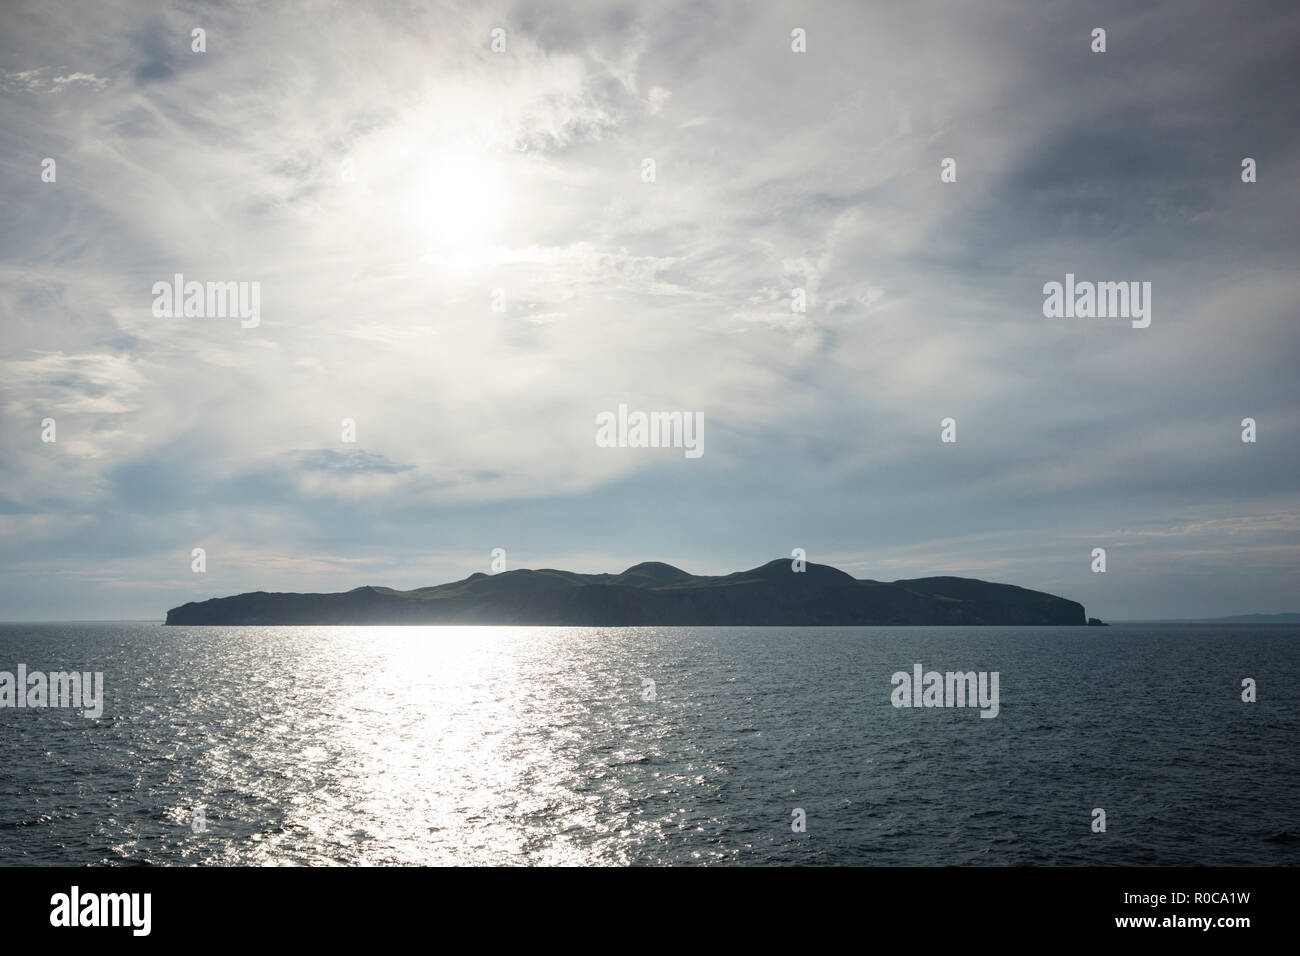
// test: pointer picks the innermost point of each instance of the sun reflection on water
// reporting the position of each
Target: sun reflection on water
(459, 745)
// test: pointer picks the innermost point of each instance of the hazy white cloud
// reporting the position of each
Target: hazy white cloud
(387, 180)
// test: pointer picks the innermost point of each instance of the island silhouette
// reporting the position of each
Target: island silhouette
(653, 593)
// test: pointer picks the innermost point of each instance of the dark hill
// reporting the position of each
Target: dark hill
(653, 593)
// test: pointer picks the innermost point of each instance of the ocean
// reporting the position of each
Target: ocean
(652, 746)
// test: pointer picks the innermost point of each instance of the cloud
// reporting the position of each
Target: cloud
(384, 181)
(42, 80)
(353, 462)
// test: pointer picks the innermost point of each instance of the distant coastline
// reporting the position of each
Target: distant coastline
(779, 593)
(1285, 618)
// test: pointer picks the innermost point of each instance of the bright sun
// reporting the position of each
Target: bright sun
(459, 202)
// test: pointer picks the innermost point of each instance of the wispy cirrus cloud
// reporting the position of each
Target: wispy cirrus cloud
(389, 180)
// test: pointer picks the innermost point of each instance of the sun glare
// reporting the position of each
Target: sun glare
(458, 203)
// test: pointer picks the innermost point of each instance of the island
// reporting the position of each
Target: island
(653, 593)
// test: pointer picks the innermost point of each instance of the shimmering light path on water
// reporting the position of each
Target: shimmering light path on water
(537, 745)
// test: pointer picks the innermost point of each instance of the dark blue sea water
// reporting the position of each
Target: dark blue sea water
(539, 746)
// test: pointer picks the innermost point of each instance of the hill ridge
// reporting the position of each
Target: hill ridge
(653, 593)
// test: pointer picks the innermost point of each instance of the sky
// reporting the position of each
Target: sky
(462, 250)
